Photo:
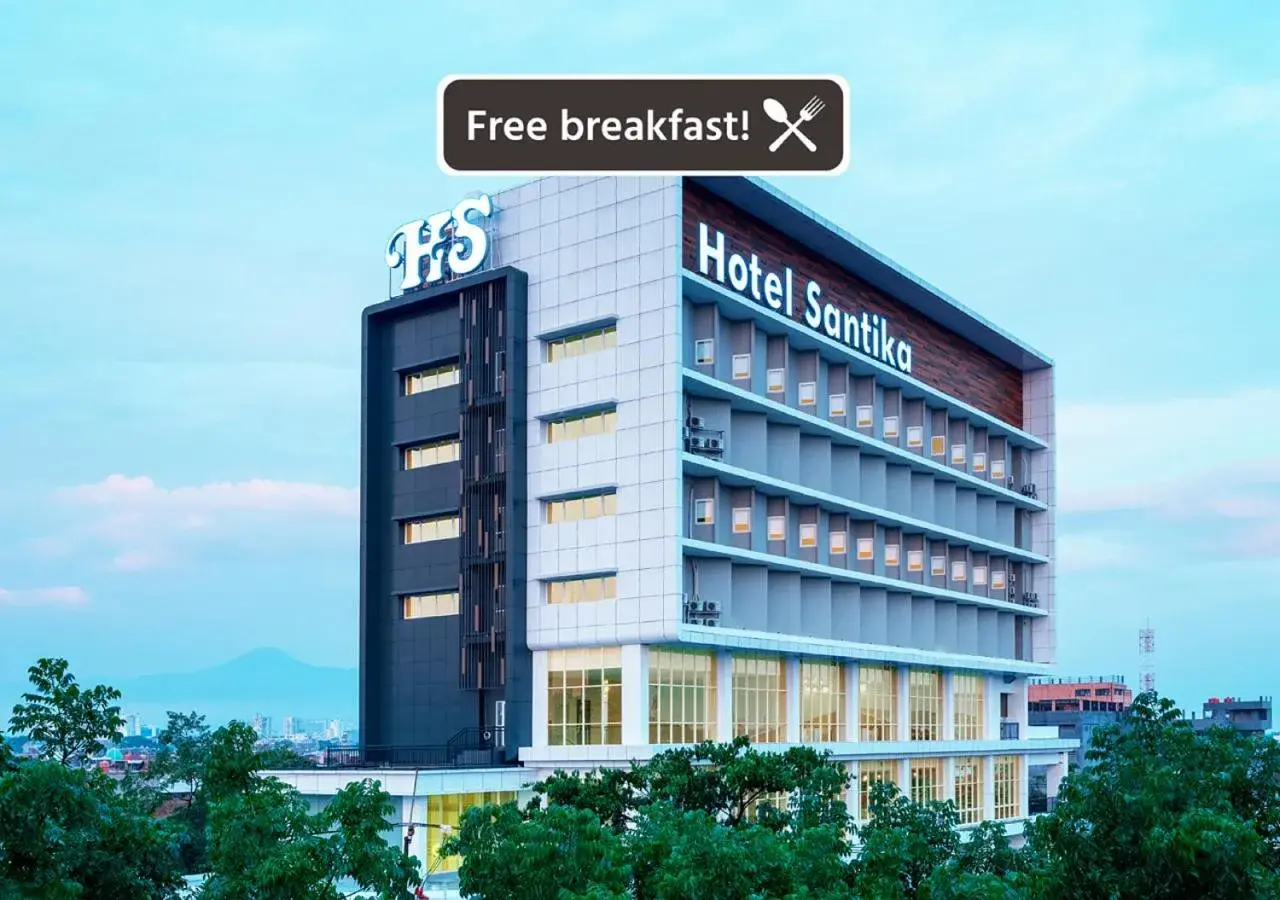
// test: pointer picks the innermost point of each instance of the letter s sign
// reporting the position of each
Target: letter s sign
(467, 246)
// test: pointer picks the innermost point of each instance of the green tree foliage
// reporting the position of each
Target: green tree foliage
(72, 723)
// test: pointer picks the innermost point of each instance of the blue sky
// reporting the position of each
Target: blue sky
(193, 204)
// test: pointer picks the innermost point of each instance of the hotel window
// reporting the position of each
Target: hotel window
(584, 696)
(808, 393)
(760, 698)
(428, 606)
(979, 576)
(822, 701)
(958, 570)
(682, 697)
(570, 428)
(777, 528)
(704, 352)
(997, 469)
(431, 379)
(741, 365)
(575, 509)
(891, 428)
(937, 566)
(808, 534)
(1008, 788)
(878, 702)
(979, 462)
(866, 548)
(891, 555)
(779, 800)
(870, 772)
(583, 590)
(967, 694)
(839, 543)
(915, 435)
(742, 520)
(924, 705)
(420, 531)
(926, 780)
(704, 511)
(444, 815)
(937, 445)
(968, 781)
(776, 380)
(957, 454)
(997, 580)
(836, 405)
(915, 560)
(581, 344)
(862, 417)
(433, 454)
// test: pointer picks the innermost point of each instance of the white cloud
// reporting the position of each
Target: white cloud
(1095, 550)
(48, 596)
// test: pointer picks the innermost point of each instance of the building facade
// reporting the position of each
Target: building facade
(1252, 716)
(653, 461)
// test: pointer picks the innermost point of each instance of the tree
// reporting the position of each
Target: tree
(903, 844)
(72, 724)
(281, 756)
(184, 749)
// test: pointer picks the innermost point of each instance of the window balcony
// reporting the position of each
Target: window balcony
(1009, 730)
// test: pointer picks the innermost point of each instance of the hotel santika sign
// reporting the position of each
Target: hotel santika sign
(457, 235)
(867, 333)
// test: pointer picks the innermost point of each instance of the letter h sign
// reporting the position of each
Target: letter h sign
(466, 243)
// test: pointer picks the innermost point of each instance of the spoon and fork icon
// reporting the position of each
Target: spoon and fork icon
(776, 111)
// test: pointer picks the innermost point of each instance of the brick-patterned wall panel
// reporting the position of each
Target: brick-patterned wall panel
(940, 358)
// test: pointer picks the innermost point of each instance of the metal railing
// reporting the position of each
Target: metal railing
(1009, 731)
(1039, 803)
(1083, 679)
(470, 748)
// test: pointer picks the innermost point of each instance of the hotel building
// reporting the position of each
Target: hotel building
(653, 461)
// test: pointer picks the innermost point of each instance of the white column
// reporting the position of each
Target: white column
(904, 703)
(948, 708)
(635, 695)
(724, 695)
(992, 707)
(949, 778)
(539, 711)
(988, 787)
(792, 668)
(1024, 785)
(904, 776)
(854, 731)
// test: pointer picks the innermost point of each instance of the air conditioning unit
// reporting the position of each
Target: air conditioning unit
(698, 443)
(695, 422)
(709, 606)
(1013, 593)
(1030, 597)
(500, 714)
(713, 443)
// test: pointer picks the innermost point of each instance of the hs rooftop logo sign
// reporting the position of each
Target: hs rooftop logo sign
(456, 236)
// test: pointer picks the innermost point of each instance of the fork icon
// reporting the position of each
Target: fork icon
(776, 111)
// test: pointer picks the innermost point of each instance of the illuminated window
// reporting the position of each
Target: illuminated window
(937, 445)
(870, 772)
(891, 555)
(862, 417)
(836, 405)
(878, 702)
(1008, 787)
(583, 343)
(741, 365)
(979, 462)
(890, 427)
(979, 576)
(760, 698)
(997, 469)
(570, 428)
(431, 379)
(777, 528)
(866, 548)
(420, 531)
(957, 454)
(915, 560)
(915, 435)
(704, 352)
(808, 391)
(997, 580)
(583, 590)
(924, 705)
(958, 570)
(926, 780)
(779, 800)
(968, 781)
(584, 696)
(839, 543)
(704, 511)
(742, 520)
(444, 815)
(433, 454)
(682, 696)
(575, 509)
(808, 534)
(968, 698)
(937, 566)
(427, 606)
(822, 701)
(776, 380)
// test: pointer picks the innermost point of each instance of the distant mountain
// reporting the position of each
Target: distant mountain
(265, 681)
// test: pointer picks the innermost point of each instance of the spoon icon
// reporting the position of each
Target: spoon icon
(776, 111)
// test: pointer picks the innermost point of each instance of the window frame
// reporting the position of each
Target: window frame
(807, 393)
(739, 373)
(441, 605)
(915, 436)
(843, 536)
(865, 549)
(775, 381)
(739, 525)
(704, 511)
(892, 555)
(811, 529)
(704, 351)
(980, 461)
(860, 421)
(915, 560)
(937, 445)
(890, 428)
(959, 453)
(937, 566)
(843, 404)
(769, 531)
